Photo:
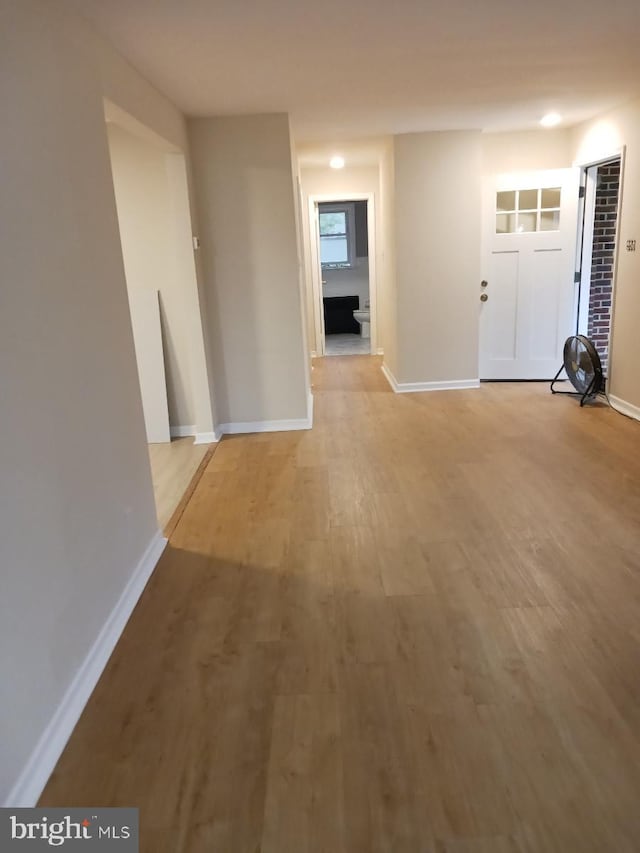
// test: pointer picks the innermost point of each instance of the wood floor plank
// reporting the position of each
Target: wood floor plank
(412, 629)
(304, 804)
(308, 639)
(384, 806)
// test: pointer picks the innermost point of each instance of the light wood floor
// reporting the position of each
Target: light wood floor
(173, 466)
(415, 628)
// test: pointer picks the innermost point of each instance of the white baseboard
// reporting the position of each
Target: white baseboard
(207, 437)
(198, 437)
(391, 379)
(43, 759)
(263, 426)
(413, 387)
(310, 410)
(625, 408)
(182, 431)
(270, 426)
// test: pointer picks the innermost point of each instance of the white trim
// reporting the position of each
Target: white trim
(208, 437)
(413, 387)
(619, 154)
(316, 275)
(616, 153)
(310, 410)
(624, 408)
(585, 260)
(379, 351)
(372, 249)
(613, 154)
(617, 252)
(182, 431)
(391, 379)
(43, 759)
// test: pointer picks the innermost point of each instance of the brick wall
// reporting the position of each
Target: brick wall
(604, 235)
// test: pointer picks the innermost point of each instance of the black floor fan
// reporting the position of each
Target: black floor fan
(583, 367)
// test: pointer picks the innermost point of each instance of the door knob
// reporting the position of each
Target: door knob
(484, 283)
(483, 297)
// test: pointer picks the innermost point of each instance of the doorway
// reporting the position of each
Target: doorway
(151, 196)
(342, 243)
(597, 253)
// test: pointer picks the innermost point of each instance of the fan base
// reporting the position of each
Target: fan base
(589, 394)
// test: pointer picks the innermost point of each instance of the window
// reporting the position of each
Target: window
(337, 234)
(527, 211)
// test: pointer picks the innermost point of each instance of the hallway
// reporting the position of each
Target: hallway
(412, 629)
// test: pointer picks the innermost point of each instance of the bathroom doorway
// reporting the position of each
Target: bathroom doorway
(343, 274)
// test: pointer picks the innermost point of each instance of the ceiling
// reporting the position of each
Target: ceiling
(357, 68)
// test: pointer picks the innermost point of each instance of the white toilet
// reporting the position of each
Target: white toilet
(363, 317)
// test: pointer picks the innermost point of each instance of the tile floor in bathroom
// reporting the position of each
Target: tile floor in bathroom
(347, 344)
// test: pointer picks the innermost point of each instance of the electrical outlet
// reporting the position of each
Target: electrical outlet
(631, 245)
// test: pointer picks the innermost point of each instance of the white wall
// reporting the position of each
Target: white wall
(590, 142)
(192, 294)
(146, 218)
(525, 151)
(118, 81)
(77, 503)
(341, 184)
(437, 243)
(249, 257)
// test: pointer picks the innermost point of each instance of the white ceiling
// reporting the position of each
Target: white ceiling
(354, 68)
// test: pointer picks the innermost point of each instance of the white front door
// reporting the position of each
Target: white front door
(529, 255)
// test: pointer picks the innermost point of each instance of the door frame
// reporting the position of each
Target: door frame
(584, 248)
(316, 268)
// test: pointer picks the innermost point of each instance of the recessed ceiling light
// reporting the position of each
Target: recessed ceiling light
(551, 120)
(337, 162)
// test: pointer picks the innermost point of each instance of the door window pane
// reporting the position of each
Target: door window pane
(506, 200)
(550, 220)
(527, 222)
(551, 198)
(528, 200)
(505, 223)
(534, 210)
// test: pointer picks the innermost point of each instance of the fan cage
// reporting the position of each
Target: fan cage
(583, 367)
